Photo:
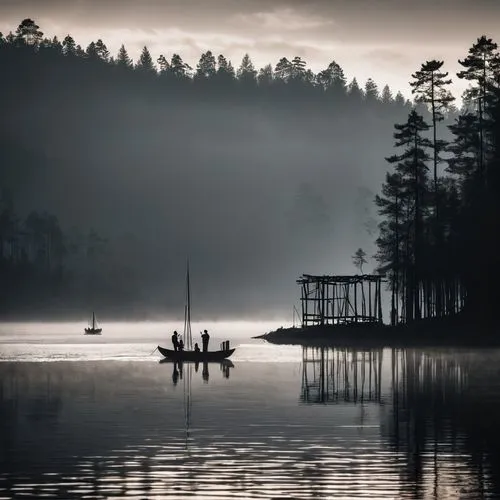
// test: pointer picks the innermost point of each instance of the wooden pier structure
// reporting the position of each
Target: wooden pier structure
(335, 300)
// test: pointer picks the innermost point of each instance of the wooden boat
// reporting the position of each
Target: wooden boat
(195, 355)
(93, 329)
(189, 354)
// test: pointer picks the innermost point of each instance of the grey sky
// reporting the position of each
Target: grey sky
(384, 39)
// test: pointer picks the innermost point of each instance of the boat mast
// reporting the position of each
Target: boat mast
(93, 320)
(187, 313)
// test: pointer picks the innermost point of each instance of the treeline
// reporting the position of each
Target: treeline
(438, 237)
(216, 75)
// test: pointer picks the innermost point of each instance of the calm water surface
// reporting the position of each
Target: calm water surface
(100, 417)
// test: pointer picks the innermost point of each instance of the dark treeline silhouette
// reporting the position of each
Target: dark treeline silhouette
(438, 236)
(256, 175)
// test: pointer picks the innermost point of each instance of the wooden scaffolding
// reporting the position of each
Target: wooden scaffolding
(335, 300)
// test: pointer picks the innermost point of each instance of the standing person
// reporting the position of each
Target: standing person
(205, 337)
(175, 340)
(181, 345)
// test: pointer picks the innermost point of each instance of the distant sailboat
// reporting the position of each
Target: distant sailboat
(93, 328)
(189, 354)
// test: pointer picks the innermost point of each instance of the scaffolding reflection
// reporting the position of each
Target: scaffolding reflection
(331, 375)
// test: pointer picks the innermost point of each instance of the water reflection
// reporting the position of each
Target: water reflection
(428, 428)
(178, 368)
(443, 415)
(430, 422)
(333, 375)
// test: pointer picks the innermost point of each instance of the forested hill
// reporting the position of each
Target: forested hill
(256, 174)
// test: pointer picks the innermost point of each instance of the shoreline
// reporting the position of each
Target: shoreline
(441, 332)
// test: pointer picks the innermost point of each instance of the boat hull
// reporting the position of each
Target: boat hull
(93, 331)
(195, 356)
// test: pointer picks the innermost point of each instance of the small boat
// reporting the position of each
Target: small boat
(195, 355)
(189, 354)
(93, 329)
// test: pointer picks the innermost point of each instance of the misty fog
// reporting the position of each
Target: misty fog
(254, 185)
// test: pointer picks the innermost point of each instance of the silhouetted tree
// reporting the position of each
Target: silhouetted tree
(102, 51)
(391, 205)
(122, 59)
(69, 46)
(283, 70)
(179, 69)
(247, 74)
(206, 67)
(163, 65)
(91, 51)
(399, 100)
(332, 79)
(371, 91)
(79, 52)
(465, 149)
(55, 45)
(354, 91)
(430, 87)
(482, 65)
(298, 68)
(387, 97)
(28, 32)
(482, 69)
(265, 76)
(411, 166)
(358, 259)
(145, 63)
(225, 72)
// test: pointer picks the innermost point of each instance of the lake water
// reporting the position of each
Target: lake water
(100, 417)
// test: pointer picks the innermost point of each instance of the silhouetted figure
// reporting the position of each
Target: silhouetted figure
(175, 374)
(175, 340)
(205, 337)
(196, 348)
(204, 373)
(181, 345)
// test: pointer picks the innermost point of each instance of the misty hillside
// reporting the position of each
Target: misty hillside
(256, 176)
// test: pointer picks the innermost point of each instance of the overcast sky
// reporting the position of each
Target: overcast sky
(383, 39)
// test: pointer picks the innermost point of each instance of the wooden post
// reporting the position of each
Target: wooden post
(304, 305)
(370, 299)
(355, 301)
(347, 302)
(379, 283)
(327, 302)
(322, 308)
(333, 302)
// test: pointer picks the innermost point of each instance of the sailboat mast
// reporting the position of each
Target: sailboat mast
(187, 316)
(93, 320)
